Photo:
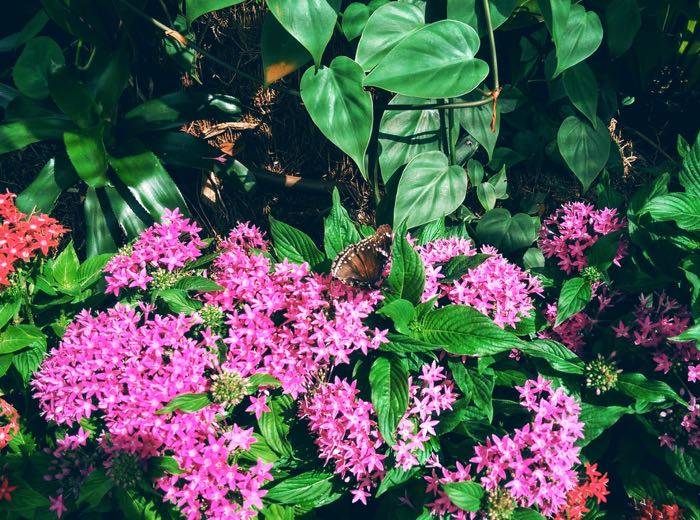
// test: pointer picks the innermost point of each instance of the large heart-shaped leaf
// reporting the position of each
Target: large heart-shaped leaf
(403, 134)
(281, 53)
(507, 232)
(340, 107)
(584, 148)
(472, 13)
(73, 98)
(310, 22)
(580, 38)
(387, 26)
(429, 189)
(196, 8)
(582, 88)
(622, 22)
(555, 14)
(355, 19)
(477, 121)
(436, 61)
(33, 67)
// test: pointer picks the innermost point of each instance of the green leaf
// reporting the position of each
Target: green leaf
(260, 450)
(623, 20)
(459, 265)
(393, 478)
(148, 181)
(340, 107)
(401, 312)
(448, 70)
(638, 387)
(186, 403)
(574, 296)
(178, 301)
(355, 18)
(262, 380)
(527, 514)
(603, 252)
(99, 236)
(73, 98)
(198, 283)
(86, 151)
(281, 53)
(388, 379)
(403, 134)
(477, 387)
(477, 121)
(400, 344)
(41, 195)
(690, 334)
(309, 489)
(160, 466)
(196, 8)
(582, 88)
(465, 495)
(585, 149)
(9, 309)
(108, 75)
(472, 13)
(689, 175)
(432, 231)
(505, 232)
(386, 27)
(90, 271)
(33, 27)
(184, 57)
(557, 355)
(682, 208)
(310, 22)
(94, 488)
(34, 65)
(17, 337)
(338, 230)
(407, 276)
(555, 14)
(294, 244)
(278, 512)
(685, 463)
(65, 267)
(274, 427)
(580, 38)
(597, 419)
(18, 134)
(465, 331)
(27, 362)
(429, 188)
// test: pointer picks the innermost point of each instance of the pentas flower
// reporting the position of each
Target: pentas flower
(6, 489)
(9, 423)
(593, 486)
(496, 287)
(160, 249)
(649, 511)
(536, 463)
(441, 505)
(571, 230)
(23, 236)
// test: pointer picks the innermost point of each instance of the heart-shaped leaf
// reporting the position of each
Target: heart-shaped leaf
(582, 88)
(622, 22)
(355, 19)
(196, 8)
(584, 148)
(33, 67)
(436, 61)
(580, 38)
(472, 13)
(507, 232)
(340, 107)
(281, 53)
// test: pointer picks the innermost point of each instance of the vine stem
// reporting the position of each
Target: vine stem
(187, 43)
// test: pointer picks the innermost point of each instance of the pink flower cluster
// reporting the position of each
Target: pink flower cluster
(124, 365)
(442, 506)
(573, 228)
(168, 245)
(284, 320)
(536, 463)
(496, 287)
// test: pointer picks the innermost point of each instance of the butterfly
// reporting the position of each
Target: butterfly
(363, 263)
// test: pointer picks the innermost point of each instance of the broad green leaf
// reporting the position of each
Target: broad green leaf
(95, 487)
(388, 379)
(162, 465)
(459, 265)
(18, 134)
(86, 151)
(8, 309)
(73, 98)
(555, 14)
(41, 195)
(184, 57)
(401, 312)
(526, 514)
(186, 403)
(273, 426)
(623, 20)
(407, 276)
(386, 27)
(124, 213)
(17, 337)
(28, 361)
(486, 194)
(689, 176)
(682, 208)
(338, 230)
(602, 253)
(90, 271)
(34, 65)
(474, 386)
(597, 419)
(148, 181)
(638, 387)
(431, 231)
(178, 301)
(507, 232)
(281, 53)
(582, 88)
(429, 188)
(65, 267)
(464, 331)
(580, 38)
(355, 18)
(574, 296)
(403, 134)
(400, 344)
(310, 22)
(690, 334)
(585, 149)
(558, 356)
(477, 121)
(278, 512)
(294, 244)
(340, 107)
(33, 27)
(393, 478)
(196, 8)
(309, 489)
(197, 283)
(108, 75)
(685, 463)
(472, 13)
(449, 69)
(465, 495)
(99, 235)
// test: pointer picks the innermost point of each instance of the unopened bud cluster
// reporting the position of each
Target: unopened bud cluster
(228, 388)
(601, 375)
(499, 505)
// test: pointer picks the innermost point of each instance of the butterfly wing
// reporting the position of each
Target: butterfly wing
(363, 263)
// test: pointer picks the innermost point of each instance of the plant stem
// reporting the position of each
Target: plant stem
(186, 42)
(450, 141)
(492, 47)
(444, 132)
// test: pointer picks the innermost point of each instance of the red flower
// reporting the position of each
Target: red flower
(6, 489)
(667, 512)
(594, 486)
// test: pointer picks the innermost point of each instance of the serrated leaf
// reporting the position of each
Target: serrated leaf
(388, 379)
(557, 355)
(407, 276)
(338, 230)
(574, 296)
(681, 208)
(465, 495)
(294, 244)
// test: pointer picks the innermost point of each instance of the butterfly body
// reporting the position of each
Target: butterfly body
(363, 263)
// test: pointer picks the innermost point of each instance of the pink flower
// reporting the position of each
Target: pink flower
(693, 373)
(57, 505)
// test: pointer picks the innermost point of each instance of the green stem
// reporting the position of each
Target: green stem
(375, 179)
(492, 46)
(444, 132)
(450, 141)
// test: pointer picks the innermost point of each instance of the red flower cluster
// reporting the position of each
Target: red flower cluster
(6, 489)
(595, 485)
(648, 511)
(22, 235)
(9, 423)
